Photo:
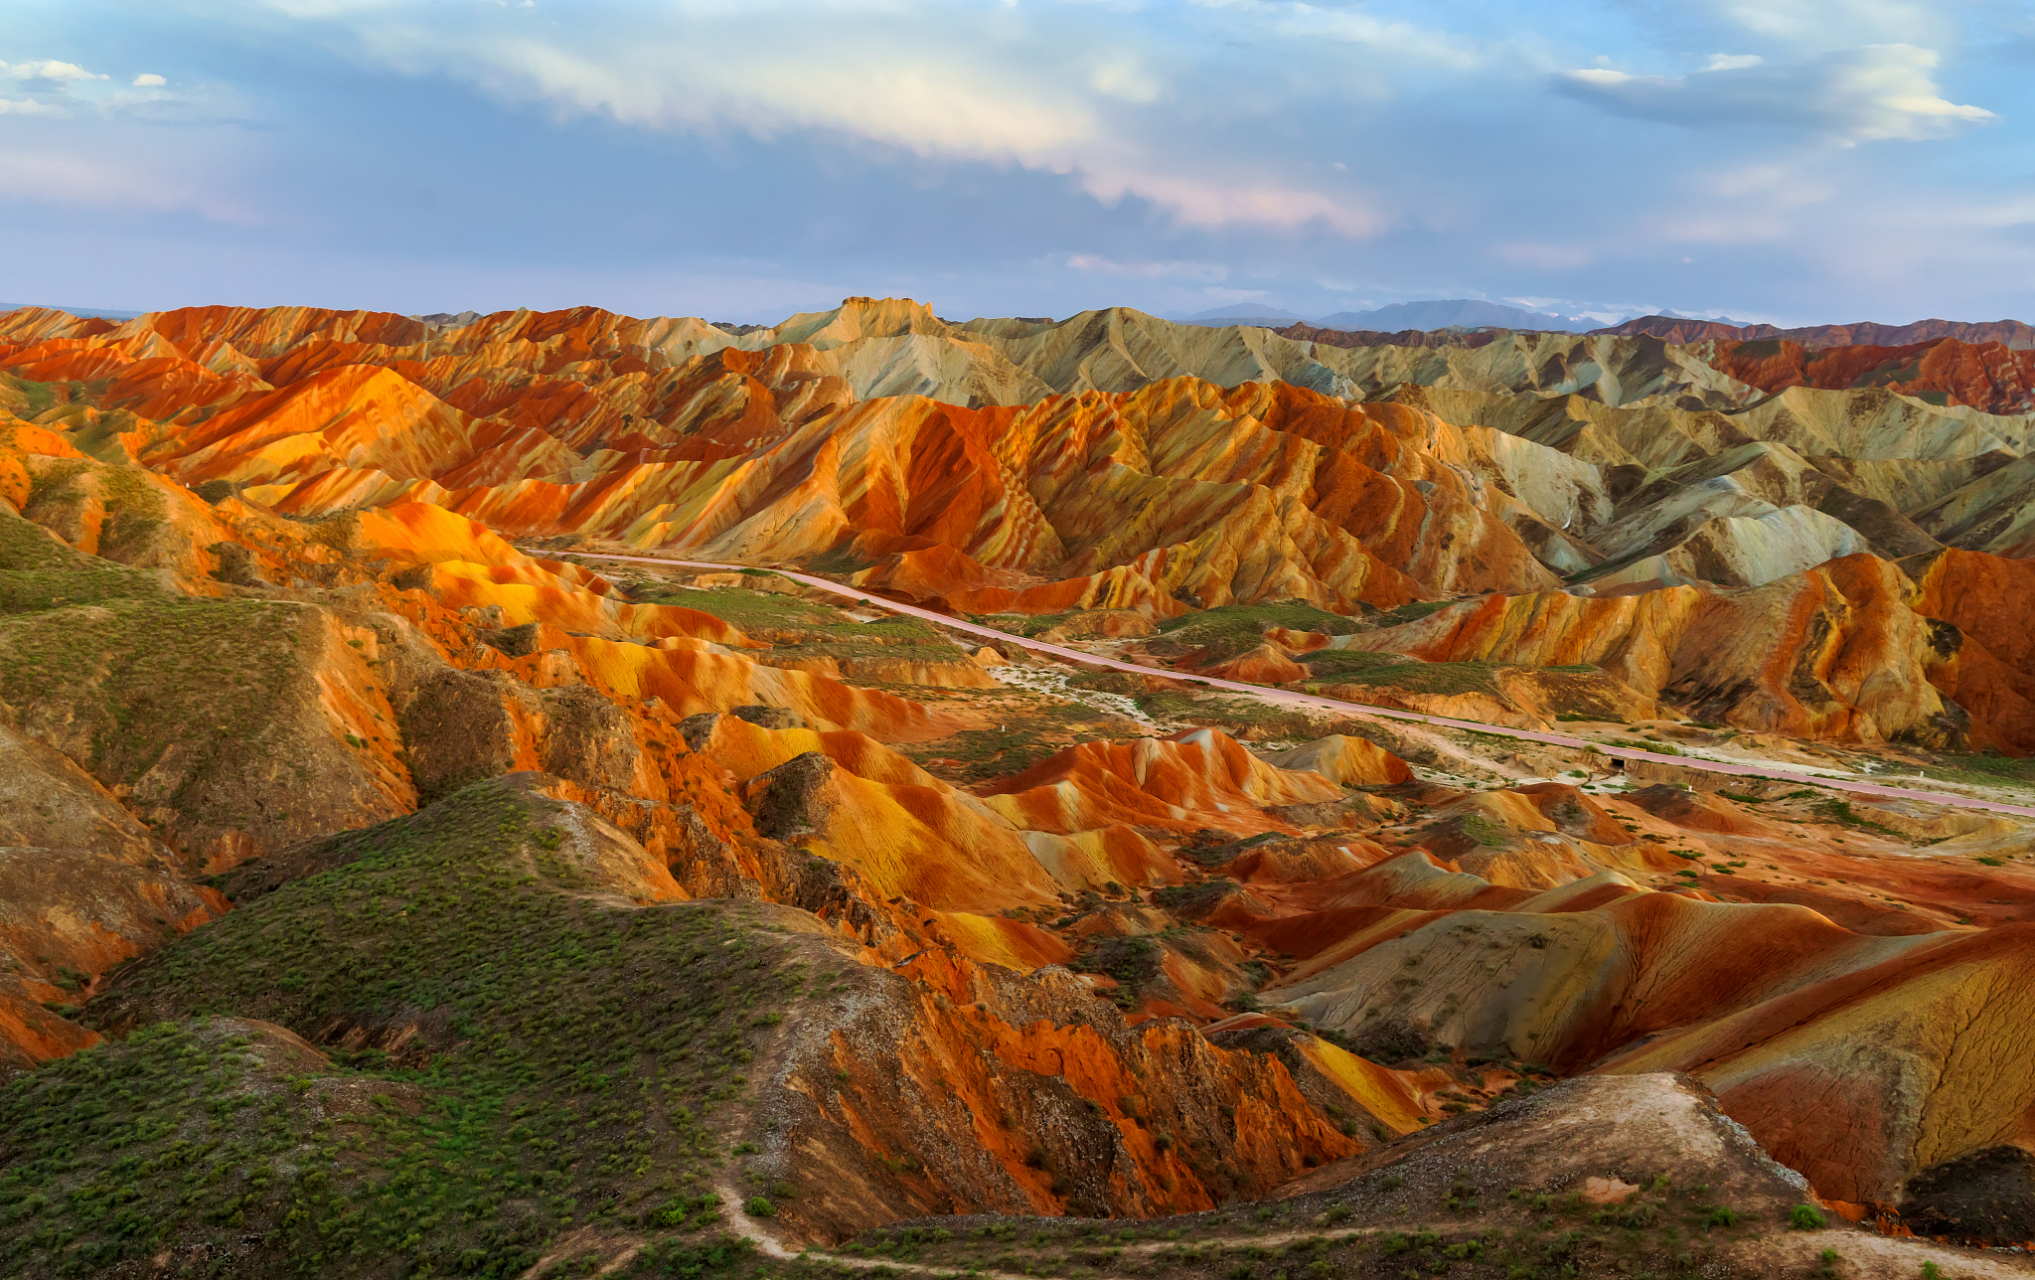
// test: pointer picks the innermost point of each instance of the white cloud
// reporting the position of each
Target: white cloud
(927, 104)
(1732, 61)
(1783, 183)
(940, 82)
(1125, 79)
(154, 182)
(26, 107)
(1173, 269)
(1397, 41)
(1211, 199)
(1862, 95)
(46, 70)
(1829, 25)
(149, 80)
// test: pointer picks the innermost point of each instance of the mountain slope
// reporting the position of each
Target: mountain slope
(391, 882)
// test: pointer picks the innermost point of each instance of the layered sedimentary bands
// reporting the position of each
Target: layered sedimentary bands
(389, 885)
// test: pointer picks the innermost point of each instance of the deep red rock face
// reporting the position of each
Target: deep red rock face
(1985, 375)
(2010, 333)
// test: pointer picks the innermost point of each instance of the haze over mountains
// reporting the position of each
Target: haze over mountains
(426, 888)
(1468, 313)
(1471, 313)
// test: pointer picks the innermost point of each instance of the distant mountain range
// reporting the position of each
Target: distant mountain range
(1477, 313)
(2013, 334)
(1445, 313)
(1271, 317)
(99, 312)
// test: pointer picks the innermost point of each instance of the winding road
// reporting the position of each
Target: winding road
(1310, 701)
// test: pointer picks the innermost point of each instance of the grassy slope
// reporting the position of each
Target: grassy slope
(1230, 630)
(808, 629)
(38, 572)
(138, 669)
(570, 1059)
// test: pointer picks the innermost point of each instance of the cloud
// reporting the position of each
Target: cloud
(46, 70)
(1829, 25)
(1861, 95)
(149, 80)
(154, 182)
(925, 104)
(1126, 79)
(26, 107)
(1399, 41)
(944, 83)
(1041, 156)
(1169, 270)
(1211, 199)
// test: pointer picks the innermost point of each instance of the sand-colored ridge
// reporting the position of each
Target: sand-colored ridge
(1053, 889)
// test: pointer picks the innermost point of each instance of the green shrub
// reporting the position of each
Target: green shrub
(760, 1207)
(1806, 1217)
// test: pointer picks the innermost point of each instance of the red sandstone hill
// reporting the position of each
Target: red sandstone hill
(318, 788)
(1990, 375)
(2013, 334)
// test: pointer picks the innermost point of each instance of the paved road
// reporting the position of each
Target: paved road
(1292, 698)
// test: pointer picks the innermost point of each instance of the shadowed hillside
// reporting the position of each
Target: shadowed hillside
(393, 881)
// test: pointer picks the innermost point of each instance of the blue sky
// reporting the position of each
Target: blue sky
(1788, 160)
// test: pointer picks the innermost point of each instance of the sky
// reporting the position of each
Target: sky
(1788, 161)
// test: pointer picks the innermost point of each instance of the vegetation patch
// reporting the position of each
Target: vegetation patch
(559, 1062)
(37, 572)
(1412, 611)
(141, 675)
(978, 755)
(755, 611)
(1025, 624)
(1841, 812)
(1133, 962)
(1340, 664)
(1492, 1233)
(1985, 769)
(1634, 744)
(1428, 677)
(28, 399)
(1191, 900)
(1232, 629)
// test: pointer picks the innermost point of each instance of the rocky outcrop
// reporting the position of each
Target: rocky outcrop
(1025, 1095)
(1196, 778)
(461, 727)
(1854, 650)
(83, 887)
(1345, 761)
(793, 799)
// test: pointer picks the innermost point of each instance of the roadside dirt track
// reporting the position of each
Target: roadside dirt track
(1309, 701)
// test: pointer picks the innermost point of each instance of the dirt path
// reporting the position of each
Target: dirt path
(771, 1247)
(1315, 702)
(1868, 1254)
